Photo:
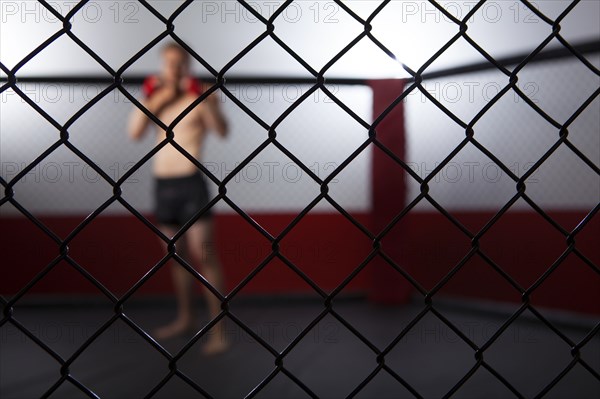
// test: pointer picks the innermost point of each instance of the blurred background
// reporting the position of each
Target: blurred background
(62, 189)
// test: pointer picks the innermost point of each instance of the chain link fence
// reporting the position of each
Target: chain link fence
(270, 135)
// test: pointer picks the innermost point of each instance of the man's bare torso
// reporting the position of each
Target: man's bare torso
(189, 134)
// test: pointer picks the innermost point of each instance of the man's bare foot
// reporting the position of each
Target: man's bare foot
(175, 329)
(214, 346)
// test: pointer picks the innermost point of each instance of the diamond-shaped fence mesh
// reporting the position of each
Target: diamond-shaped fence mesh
(421, 182)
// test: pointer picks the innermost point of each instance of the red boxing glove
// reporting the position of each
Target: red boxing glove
(194, 87)
(152, 83)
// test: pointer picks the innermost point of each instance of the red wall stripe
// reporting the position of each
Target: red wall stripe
(389, 192)
(119, 250)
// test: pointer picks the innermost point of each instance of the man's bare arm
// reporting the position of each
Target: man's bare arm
(213, 117)
(138, 122)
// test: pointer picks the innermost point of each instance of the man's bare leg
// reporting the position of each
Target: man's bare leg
(202, 249)
(183, 282)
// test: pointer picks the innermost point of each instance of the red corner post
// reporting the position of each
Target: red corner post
(389, 193)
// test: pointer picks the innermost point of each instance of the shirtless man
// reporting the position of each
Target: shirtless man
(180, 188)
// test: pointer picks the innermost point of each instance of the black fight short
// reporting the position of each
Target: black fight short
(178, 199)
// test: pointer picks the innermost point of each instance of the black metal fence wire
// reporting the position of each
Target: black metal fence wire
(271, 139)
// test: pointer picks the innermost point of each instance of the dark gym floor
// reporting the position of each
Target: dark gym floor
(330, 360)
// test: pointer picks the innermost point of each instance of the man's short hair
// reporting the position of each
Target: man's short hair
(175, 46)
